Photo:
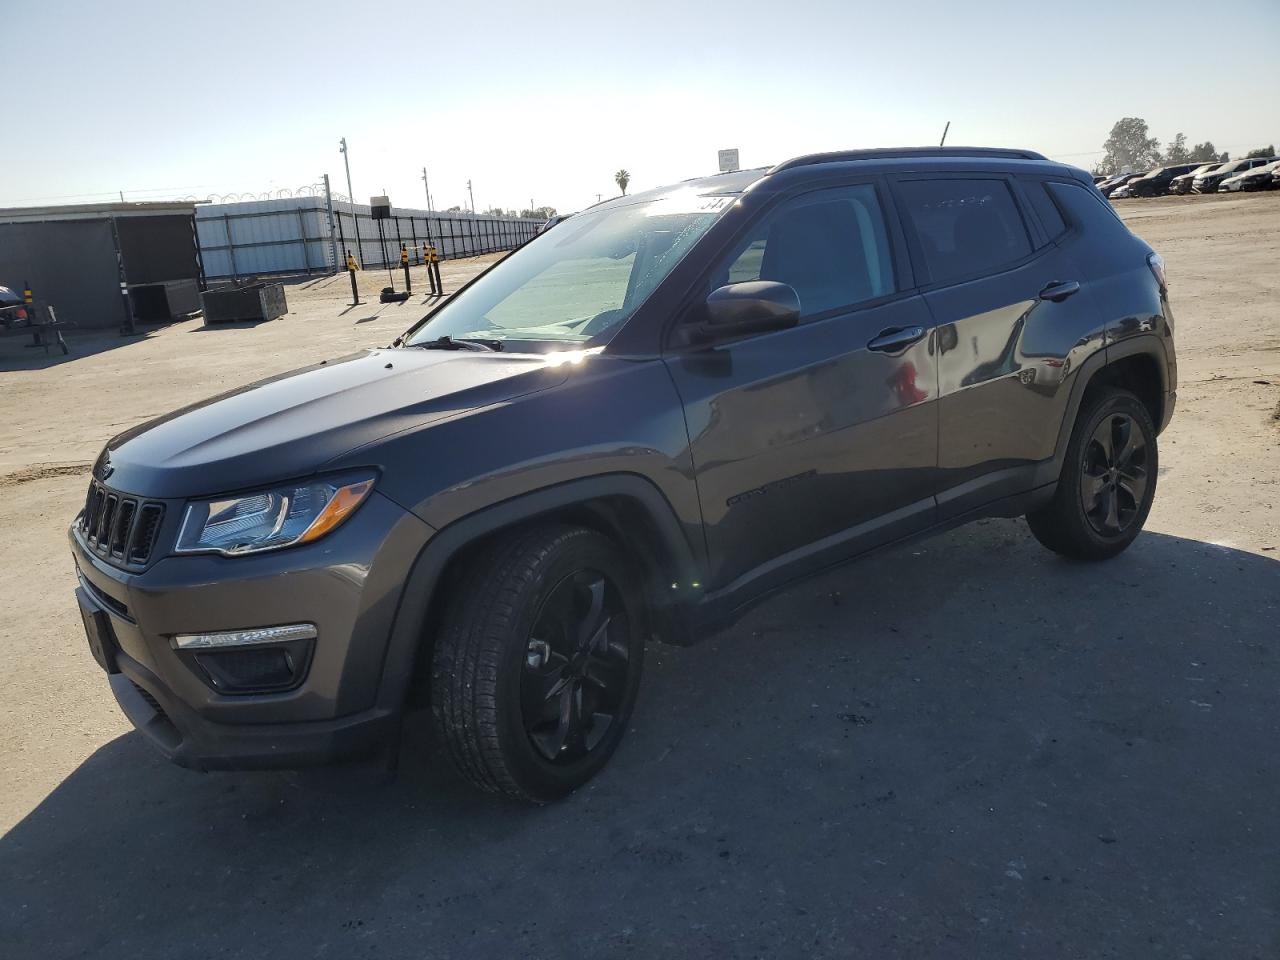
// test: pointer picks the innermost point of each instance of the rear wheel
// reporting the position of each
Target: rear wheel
(1108, 480)
(538, 662)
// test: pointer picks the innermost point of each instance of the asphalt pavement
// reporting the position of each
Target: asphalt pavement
(965, 747)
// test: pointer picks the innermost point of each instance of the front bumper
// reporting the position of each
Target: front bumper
(348, 584)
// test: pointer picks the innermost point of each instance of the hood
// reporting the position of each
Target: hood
(290, 426)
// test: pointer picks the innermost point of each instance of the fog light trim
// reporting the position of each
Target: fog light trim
(245, 638)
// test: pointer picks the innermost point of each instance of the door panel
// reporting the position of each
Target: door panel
(1012, 324)
(805, 434)
(1005, 361)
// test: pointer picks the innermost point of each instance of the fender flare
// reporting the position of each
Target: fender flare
(406, 638)
(1149, 344)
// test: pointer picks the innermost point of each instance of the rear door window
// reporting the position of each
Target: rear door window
(966, 228)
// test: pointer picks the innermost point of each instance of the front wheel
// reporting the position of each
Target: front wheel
(1108, 480)
(537, 665)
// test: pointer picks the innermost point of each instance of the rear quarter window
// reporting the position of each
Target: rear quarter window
(1102, 244)
(1046, 210)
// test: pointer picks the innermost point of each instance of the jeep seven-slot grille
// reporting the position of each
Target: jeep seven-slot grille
(118, 527)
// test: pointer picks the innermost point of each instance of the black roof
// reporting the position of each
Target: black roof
(919, 158)
(907, 153)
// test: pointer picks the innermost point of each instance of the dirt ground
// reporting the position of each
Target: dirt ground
(1045, 760)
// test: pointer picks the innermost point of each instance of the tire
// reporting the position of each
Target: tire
(540, 645)
(1106, 487)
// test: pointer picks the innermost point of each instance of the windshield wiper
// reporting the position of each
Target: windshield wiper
(462, 343)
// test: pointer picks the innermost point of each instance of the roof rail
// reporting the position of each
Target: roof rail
(891, 153)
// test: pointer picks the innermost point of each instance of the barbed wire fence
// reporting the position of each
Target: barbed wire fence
(283, 193)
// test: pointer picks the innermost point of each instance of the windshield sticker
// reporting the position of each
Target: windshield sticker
(687, 201)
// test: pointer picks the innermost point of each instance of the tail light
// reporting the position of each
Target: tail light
(1156, 263)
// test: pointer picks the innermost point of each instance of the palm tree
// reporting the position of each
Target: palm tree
(622, 178)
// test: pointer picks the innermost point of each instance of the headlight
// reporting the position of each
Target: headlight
(271, 519)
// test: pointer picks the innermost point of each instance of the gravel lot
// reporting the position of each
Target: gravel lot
(967, 748)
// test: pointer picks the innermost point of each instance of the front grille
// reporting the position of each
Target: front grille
(118, 527)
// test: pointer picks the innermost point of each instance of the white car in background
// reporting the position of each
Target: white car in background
(1256, 178)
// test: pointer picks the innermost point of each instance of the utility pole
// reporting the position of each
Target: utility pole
(351, 198)
(427, 187)
(473, 198)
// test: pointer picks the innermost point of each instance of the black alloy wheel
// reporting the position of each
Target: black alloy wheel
(1114, 475)
(1108, 479)
(536, 664)
(576, 667)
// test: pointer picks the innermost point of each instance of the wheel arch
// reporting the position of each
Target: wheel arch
(627, 508)
(1139, 372)
(1139, 364)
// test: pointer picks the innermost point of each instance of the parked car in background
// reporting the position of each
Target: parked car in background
(1208, 182)
(1156, 183)
(1182, 184)
(1255, 178)
(1107, 186)
(631, 429)
(1122, 192)
(12, 311)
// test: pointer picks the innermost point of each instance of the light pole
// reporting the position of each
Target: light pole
(351, 198)
(473, 198)
(427, 187)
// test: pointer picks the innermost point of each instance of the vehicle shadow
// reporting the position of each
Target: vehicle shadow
(966, 747)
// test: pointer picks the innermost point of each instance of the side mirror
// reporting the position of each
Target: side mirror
(741, 309)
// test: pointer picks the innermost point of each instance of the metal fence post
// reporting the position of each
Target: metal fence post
(333, 239)
(231, 247)
(302, 232)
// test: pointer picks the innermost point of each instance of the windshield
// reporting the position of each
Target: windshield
(580, 281)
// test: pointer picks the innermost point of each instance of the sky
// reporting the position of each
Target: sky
(542, 102)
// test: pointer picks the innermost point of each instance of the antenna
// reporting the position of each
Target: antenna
(943, 141)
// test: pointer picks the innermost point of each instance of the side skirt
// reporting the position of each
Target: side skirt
(720, 611)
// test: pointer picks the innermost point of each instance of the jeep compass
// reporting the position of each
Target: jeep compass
(632, 428)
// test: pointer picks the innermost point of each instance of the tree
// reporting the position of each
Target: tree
(1268, 151)
(622, 178)
(538, 213)
(1129, 147)
(1177, 151)
(1204, 153)
(454, 209)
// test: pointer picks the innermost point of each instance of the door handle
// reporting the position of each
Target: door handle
(1058, 290)
(896, 338)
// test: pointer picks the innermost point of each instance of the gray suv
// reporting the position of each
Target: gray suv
(633, 427)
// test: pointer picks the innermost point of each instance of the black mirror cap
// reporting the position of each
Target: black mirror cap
(741, 309)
